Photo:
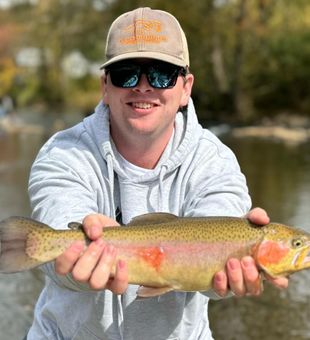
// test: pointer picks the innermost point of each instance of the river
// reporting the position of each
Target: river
(279, 180)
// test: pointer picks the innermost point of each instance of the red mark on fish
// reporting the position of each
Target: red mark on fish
(270, 252)
(152, 255)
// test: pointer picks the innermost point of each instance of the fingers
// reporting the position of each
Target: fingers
(220, 283)
(97, 267)
(120, 282)
(258, 216)
(241, 277)
(65, 262)
(86, 264)
(235, 277)
(94, 266)
(279, 282)
(104, 268)
(252, 279)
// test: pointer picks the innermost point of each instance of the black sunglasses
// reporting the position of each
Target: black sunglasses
(160, 75)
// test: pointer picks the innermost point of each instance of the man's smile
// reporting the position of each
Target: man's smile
(142, 105)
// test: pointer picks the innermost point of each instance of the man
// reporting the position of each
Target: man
(142, 151)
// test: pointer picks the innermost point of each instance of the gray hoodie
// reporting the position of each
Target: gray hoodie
(77, 172)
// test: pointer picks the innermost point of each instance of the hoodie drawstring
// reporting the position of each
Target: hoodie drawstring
(109, 159)
(162, 174)
(120, 313)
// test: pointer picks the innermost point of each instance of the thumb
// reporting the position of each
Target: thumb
(258, 216)
(94, 223)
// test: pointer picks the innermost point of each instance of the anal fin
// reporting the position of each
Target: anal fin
(146, 292)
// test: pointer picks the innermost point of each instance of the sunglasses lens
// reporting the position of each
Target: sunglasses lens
(125, 75)
(160, 75)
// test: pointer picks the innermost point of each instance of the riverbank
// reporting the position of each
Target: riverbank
(33, 121)
(287, 128)
(280, 133)
(13, 124)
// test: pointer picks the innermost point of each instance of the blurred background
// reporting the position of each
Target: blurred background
(251, 64)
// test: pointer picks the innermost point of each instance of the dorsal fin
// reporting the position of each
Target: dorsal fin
(152, 218)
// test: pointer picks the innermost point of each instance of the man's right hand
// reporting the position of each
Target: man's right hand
(93, 265)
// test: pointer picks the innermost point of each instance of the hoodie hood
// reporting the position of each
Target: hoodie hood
(186, 136)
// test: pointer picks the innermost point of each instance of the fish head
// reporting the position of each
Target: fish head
(283, 251)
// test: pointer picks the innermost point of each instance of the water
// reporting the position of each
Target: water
(279, 180)
(18, 292)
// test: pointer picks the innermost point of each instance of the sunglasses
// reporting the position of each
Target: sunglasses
(160, 75)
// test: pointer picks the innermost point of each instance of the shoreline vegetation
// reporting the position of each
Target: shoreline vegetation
(287, 128)
(249, 58)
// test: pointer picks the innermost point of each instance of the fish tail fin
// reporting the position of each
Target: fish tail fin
(14, 243)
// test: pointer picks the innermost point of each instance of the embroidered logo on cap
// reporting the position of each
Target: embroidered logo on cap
(146, 31)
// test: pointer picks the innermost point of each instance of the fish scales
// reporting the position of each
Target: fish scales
(190, 229)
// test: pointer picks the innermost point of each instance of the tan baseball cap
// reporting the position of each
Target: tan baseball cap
(146, 33)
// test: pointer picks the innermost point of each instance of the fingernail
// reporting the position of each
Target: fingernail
(121, 264)
(233, 264)
(247, 262)
(219, 277)
(109, 250)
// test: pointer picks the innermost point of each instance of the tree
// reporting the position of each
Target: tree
(249, 57)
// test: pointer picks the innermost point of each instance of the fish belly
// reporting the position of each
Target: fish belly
(183, 266)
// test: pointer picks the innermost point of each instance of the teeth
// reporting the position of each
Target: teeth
(142, 105)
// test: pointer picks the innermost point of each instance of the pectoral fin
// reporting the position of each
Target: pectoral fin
(145, 292)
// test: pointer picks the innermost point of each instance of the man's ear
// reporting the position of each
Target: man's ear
(187, 89)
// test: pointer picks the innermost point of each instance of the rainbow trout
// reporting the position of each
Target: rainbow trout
(164, 252)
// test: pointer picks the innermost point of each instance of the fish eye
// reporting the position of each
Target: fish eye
(296, 243)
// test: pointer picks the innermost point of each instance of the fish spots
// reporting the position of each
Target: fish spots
(152, 255)
(271, 252)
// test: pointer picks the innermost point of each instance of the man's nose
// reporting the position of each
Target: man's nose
(143, 84)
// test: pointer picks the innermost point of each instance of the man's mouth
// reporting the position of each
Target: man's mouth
(142, 105)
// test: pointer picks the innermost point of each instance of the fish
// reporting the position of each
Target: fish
(164, 252)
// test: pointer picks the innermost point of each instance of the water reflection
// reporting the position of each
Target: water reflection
(278, 176)
(279, 180)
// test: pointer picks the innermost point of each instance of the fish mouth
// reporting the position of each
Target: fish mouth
(306, 260)
(302, 259)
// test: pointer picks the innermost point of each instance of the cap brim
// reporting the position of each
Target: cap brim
(150, 55)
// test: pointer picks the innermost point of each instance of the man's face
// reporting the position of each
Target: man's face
(144, 110)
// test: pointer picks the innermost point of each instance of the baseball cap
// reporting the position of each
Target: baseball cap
(146, 33)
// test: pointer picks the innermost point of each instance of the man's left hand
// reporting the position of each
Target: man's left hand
(242, 277)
